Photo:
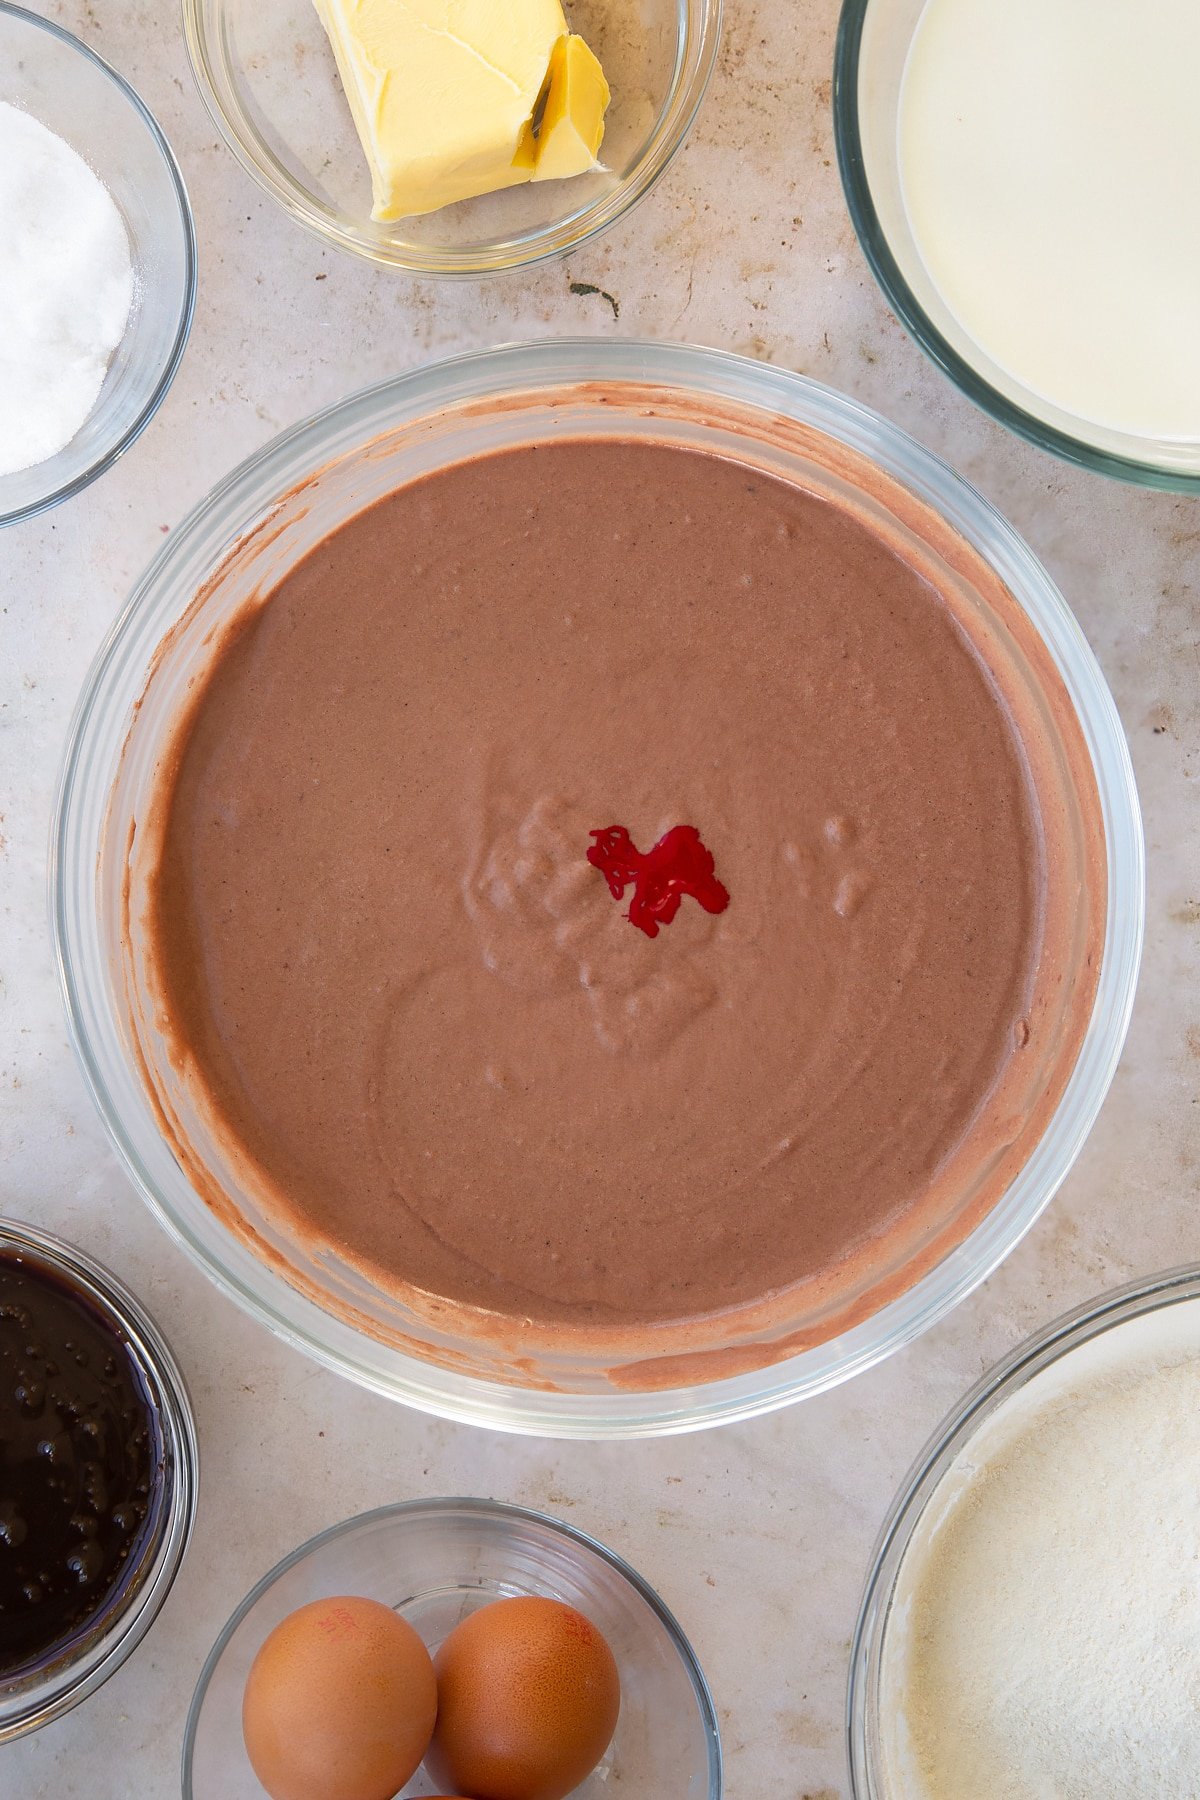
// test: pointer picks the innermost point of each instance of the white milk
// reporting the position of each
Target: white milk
(1050, 161)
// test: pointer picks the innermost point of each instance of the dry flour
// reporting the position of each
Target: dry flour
(66, 287)
(1045, 1639)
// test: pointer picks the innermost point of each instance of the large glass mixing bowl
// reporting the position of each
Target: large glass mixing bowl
(240, 541)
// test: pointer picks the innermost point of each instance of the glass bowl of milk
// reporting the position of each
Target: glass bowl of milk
(1021, 177)
(97, 266)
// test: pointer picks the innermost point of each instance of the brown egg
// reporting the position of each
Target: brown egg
(528, 1697)
(339, 1703)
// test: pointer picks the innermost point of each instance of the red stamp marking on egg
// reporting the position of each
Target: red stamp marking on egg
(339, 1622)
(576, 1625)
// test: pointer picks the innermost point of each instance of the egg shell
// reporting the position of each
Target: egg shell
(339, 1703)
(528, 1698)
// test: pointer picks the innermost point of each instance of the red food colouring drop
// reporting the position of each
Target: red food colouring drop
(678, 865)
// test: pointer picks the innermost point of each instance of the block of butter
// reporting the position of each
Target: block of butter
(454, 98)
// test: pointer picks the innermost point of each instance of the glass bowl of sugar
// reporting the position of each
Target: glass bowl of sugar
(1021, 179)
(97, 265)
(1031, 1623)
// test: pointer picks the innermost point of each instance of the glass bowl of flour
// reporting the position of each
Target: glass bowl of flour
(1031, 1625)
(97, 265)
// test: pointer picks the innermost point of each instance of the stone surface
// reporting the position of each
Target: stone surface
(758, 1536)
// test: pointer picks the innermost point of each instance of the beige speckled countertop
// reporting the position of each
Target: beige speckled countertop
(758, 1536)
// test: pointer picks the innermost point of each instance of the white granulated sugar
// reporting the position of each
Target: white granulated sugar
(1045, 1637)
(66, 287)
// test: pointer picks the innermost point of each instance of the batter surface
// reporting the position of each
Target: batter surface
(383, 951)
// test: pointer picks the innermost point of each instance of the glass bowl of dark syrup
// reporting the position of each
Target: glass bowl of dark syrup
(97, 1476)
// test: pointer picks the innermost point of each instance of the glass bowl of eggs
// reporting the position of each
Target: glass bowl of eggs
(283, 101)
(550, 1666)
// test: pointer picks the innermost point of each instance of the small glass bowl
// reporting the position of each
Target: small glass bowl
(60, 1683)
(73, 92)
(267, 75)
(435, 1561)
(868, 1776)
(873, 42)
(241, 540)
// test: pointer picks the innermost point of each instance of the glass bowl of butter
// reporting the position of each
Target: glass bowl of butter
(454, 137)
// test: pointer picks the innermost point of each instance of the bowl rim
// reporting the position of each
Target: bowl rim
(497, 256)
(479, 1508)
(1028, 1360)
(900, 297)
(543, 365)
(105, 460)
(74, 1682)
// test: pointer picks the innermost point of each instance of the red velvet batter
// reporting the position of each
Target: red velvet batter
(382, 948)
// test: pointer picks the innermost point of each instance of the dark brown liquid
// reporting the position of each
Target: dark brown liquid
(80, 1450)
